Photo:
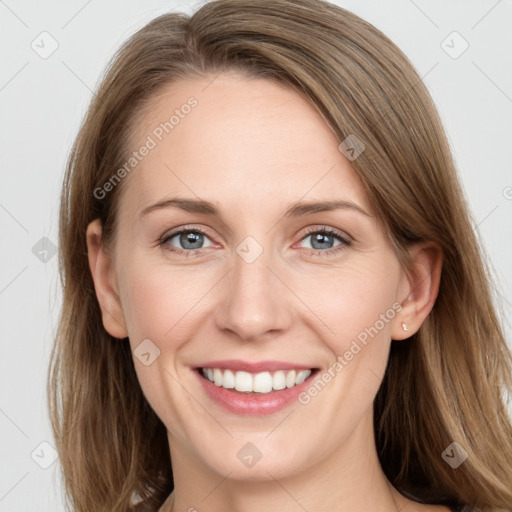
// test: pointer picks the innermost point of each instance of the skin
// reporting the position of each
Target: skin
(253, 147)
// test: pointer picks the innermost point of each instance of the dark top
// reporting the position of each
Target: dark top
(460, 508)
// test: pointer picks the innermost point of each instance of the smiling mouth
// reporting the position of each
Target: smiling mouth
(260, 383)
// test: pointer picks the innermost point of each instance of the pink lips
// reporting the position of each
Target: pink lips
(253, 404)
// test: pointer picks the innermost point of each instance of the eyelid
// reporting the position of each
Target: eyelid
(328, 230)
(176, 231)
(169, 235)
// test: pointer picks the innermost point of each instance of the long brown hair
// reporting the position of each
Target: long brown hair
(445, 384)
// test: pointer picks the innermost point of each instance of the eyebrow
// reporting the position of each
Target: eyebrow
(297, 209)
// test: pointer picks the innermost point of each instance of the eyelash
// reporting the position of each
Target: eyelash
(345, 242)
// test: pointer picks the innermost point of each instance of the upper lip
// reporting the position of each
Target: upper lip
(254, 366)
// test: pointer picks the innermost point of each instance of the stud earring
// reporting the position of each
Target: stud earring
(404, 326)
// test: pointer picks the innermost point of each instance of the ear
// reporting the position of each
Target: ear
(105, 282)
(418, 289)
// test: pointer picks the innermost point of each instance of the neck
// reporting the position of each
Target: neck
(350, 478)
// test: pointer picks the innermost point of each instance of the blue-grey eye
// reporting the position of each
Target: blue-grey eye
(189, 240)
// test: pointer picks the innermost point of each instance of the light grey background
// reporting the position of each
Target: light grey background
(43, 101)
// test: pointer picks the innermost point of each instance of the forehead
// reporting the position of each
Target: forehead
(232, 139)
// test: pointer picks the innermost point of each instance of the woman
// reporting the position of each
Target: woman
(271, 280)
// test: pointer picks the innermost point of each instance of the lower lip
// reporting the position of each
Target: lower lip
(253, 405)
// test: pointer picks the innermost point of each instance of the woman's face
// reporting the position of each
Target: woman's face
(258, 284)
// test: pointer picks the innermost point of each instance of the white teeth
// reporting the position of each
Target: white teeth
(279, 380)
(301, 377)
(217, 377)
(243, 381)
(228, 380)
(290, 379)
(263, 382)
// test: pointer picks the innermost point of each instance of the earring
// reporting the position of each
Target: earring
(404, 326)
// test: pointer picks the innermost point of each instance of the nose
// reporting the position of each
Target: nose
(254, 303)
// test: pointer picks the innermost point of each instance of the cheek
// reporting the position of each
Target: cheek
(354, 302)
(164, 306)
(158, 300)
(353, 312)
